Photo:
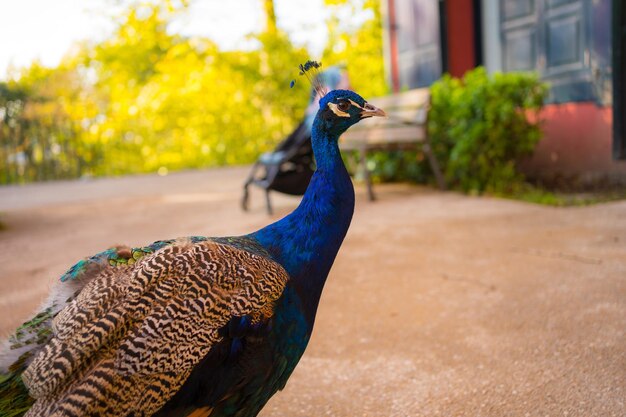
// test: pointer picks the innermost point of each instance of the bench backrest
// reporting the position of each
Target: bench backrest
(406, 122)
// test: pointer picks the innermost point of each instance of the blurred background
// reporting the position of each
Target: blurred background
(113, 87)
(118, 87)
(439, 303)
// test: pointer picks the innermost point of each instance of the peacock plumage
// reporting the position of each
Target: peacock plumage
(194, 326)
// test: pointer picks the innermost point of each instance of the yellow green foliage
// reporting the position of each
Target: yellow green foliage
(145, 100)
(359, 48)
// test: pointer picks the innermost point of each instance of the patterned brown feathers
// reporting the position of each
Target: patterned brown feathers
(130, 339)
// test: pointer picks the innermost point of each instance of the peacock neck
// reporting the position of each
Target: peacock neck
(306, 241)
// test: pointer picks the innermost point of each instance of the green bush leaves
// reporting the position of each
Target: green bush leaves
(481, 127)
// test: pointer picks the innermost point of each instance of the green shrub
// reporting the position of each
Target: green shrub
(480, 127)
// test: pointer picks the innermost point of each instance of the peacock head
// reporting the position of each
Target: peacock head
(340, 109)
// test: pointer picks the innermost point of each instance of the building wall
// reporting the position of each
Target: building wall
(577, 145)
(578, 135)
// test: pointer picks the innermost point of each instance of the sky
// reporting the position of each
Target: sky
(47, 29)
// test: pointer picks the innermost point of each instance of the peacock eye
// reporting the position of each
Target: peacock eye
(343, 105)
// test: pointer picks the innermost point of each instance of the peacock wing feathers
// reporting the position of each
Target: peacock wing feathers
(31, 336)
(127, 341)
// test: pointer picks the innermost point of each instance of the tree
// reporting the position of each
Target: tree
(145, 99)
(360, 47)
(43, 119)
(270, 16)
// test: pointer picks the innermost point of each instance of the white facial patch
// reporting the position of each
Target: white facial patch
(355, 104)
(336, 110)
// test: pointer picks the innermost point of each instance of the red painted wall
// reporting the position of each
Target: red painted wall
(460, 32)
(577, 144)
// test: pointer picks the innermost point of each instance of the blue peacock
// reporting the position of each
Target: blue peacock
(194, 326)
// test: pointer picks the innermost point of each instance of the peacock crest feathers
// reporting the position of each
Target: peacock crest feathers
(311, 70)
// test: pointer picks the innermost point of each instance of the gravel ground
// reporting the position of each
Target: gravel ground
(438, 304)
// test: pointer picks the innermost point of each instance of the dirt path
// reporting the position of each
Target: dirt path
(438, 304)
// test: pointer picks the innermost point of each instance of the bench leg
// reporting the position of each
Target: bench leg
(245, 198)
(268, 202)
(434, 165)
(366, 174)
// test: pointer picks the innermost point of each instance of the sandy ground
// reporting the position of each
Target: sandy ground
(438, 304)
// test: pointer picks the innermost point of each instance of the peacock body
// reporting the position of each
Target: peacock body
(194, 326)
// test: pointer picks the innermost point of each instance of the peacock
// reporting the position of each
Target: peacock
(195, 326)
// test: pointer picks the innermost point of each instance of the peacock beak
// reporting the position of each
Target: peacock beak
(369, 110)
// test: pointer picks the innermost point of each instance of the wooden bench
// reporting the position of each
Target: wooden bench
(404, 128)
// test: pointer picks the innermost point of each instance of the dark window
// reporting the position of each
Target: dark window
(519, 50)
(564, 41)
(512, 9)
(557, 3)
(419, 42)
(559, 39)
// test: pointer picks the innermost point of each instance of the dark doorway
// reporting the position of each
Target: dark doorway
(619, 79)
